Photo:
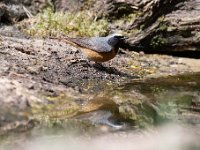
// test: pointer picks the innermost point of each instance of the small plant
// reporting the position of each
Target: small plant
(158, 41)
(81, 23)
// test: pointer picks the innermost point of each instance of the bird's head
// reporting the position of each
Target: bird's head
(115, 39)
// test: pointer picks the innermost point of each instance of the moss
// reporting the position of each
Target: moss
(129, 18)
(171, 28)
(158, 41)
(163, 27)
(161, 18)
(81, 23)
(59, 108)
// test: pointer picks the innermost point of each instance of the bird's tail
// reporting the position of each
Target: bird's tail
(65, 39)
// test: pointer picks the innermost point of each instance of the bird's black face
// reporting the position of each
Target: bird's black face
(115, 40)
(120, 37)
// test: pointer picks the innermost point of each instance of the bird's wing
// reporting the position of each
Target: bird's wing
(96, 44)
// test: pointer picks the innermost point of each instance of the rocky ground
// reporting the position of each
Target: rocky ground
(44, 79)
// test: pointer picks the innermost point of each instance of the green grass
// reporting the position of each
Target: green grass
(82, 23)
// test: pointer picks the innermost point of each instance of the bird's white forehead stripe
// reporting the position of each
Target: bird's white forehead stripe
(117, 34)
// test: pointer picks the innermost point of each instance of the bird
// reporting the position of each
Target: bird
(97, 49)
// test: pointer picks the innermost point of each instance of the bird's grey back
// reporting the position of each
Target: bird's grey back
(99, 44)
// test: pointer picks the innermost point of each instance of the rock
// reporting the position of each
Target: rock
(106, 8)
(113, 10)
(69, 5)
(14, 105)
(13, 11)
(2, 10)
(167, 26)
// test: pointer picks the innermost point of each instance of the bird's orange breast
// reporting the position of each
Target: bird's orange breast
(94, 55)
(98, 56)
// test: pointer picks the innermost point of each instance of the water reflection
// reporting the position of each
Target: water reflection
(165, 114)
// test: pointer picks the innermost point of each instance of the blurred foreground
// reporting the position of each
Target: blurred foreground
(170, 136)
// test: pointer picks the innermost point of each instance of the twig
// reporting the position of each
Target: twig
(28, 13)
